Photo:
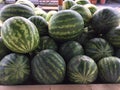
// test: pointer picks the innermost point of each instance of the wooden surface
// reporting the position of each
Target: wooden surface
(63, 87)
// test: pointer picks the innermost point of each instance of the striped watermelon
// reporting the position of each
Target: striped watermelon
(12, 10)
(93, 8)
(50, 14)
(66, 25)
(46, 42)
(70, 49)
(82, 2)
(26, 2)
(82, 69)
(14, 69)
(83, 11)
(98, 48)
(109, 69)
(105, 19)
(48, 67)
(67, 4)
(19, 34)
(41, 24)
(113, 36)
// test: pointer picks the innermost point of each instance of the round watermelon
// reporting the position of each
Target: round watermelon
(50, 14)
(46, 42)
(67, 4)
(66, 25)
(14, 69)
(82, 2)
(82, 70)
(105, 19)
(19, 34)
(26, 2)
(48, 67)
(70, 49)
(113, 36)
(109, 69)
(83, 11)
(98, 48)
(12, 10)
(41, 24)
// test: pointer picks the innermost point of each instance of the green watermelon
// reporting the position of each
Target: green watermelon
(82, 69)
(70, 49)
(98, 48)
(19, 34)
(41, 24)
(83, 11)
(48, 67)
(105, 19)
(93, 8)
(12, 10)
(40, 12)
(3, 49)
(65, 25)
(67, 4)
(113, 36)
(14, 69)
(82, 2)
(109, 69)
(26, 2)
(50, 14)
(46, 42)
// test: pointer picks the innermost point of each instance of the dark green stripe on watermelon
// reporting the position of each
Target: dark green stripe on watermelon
(48, 67)
(12, 10)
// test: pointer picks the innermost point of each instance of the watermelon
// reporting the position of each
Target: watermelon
(41, 24)
(26, 2)
(3, 49)
(93, 8)
(70, 49)
(40, 12)
(98, 48)
(50, 14)
(109, 69)
(82, 2)
(12, 10)
(113, 36)
(105, 19)
(46, 42)
(48, 67)
(82, 69)
(67, 4)
(83, 11)
(14, 69)
(65, 25)
(19, 34)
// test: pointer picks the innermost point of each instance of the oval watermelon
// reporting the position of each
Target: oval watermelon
(19, 34)
(66, 25)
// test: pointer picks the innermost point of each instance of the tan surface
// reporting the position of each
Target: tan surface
(64, 87)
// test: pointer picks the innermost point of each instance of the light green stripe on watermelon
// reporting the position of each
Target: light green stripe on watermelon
(22, 33)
